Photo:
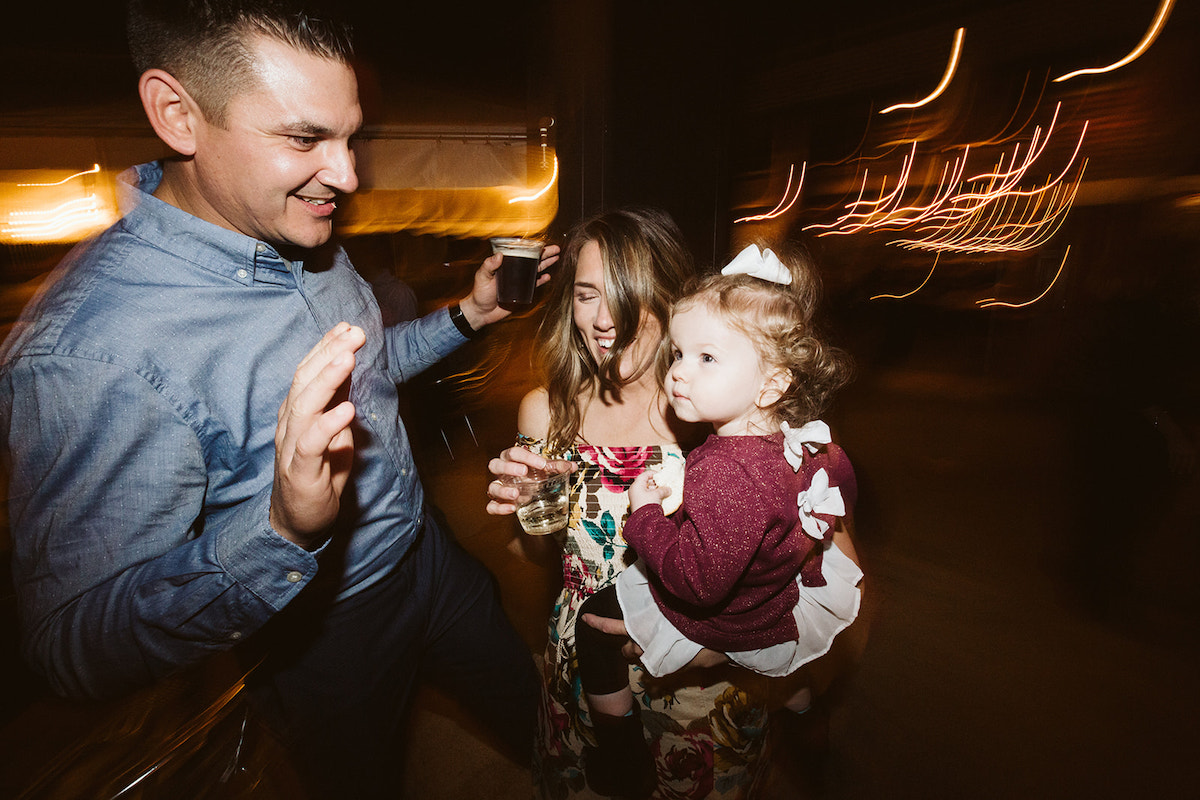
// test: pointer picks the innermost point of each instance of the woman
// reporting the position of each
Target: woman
(601, 407)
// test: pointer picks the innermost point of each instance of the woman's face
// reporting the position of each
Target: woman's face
(595, 322)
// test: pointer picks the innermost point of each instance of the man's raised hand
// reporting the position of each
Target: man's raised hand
(314, 446)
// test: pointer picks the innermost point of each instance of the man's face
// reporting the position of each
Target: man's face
(275, 170)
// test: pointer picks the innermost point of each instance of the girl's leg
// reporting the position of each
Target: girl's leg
(621, 763)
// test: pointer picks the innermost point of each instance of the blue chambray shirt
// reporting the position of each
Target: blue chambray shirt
(138, 402)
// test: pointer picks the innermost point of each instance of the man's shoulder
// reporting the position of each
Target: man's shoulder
(82, 295)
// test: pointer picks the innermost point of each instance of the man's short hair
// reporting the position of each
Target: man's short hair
(204, 43)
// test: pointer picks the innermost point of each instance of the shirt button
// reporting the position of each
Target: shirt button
(260, 247)
(241, 273)
(294, 577)
(235, 636)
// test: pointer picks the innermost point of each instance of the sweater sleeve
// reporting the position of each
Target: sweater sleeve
(701, 552)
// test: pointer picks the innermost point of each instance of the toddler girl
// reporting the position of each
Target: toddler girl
(755, 563)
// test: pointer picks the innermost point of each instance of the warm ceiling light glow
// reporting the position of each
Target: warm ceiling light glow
(61, 223)
(780, 208)
(65, 210)
(951, 68)
(991, 302)
(1160, 19)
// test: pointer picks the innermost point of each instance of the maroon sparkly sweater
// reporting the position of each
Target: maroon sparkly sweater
(723, 567)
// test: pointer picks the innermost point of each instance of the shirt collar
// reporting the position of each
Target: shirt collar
(211, 247)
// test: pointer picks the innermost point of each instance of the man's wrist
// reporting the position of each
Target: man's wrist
(460, 321)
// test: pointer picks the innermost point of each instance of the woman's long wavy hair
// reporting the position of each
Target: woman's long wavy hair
(781, 322)
(645, 267)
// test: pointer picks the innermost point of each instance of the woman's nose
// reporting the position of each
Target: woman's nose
(603, 317)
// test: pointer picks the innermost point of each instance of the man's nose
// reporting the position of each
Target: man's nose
(339, 173)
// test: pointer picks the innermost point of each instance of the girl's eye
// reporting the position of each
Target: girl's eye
(675, 354)
(707, 359)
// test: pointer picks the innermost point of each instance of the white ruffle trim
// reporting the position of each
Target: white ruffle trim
(821, 614)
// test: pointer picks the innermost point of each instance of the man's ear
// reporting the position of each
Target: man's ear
(172, 112)
(774, 387)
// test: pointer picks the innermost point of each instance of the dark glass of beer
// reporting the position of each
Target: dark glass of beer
(518, 271)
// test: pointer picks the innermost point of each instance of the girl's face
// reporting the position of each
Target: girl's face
(595, 322)
(717, 375)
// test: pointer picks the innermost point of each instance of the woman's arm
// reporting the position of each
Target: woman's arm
(533, 420)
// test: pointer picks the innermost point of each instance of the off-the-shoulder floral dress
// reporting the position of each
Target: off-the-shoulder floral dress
(709, 740)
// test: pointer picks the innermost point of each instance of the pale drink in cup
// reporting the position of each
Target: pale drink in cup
(544, 502)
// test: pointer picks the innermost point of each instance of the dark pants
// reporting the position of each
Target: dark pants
(602, 667)
(338, 679)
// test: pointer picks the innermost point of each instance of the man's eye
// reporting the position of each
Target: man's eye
(307, 142)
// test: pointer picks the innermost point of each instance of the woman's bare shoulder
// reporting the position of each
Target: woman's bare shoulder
(533, 414)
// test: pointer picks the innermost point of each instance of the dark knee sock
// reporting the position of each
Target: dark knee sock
(602, 667)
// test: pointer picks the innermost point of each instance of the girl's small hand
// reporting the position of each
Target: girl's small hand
(644, 491)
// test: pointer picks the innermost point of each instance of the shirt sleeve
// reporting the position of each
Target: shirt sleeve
(121, 576)
(418, 344)
(701, 552)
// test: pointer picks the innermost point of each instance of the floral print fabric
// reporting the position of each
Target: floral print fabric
(708, 738)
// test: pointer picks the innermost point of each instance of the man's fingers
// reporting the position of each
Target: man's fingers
(329, 435)
(606, 624)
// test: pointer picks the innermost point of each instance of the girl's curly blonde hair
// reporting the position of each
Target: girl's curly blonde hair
(779, 320)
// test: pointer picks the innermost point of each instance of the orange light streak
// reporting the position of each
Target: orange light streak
(95, 170)
(81, 214)
(1160, 20)
(991, 302)
(914, 291)
(988, 212)
(780, 208)
(951, 68)
(530, 198)
(1001, 138)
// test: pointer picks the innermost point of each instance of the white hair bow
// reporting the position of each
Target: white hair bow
(819, 498)
(765, 266)
(796, 440)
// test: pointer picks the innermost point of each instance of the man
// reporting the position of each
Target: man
(179, 485)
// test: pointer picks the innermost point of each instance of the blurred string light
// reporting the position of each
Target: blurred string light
(1160, 20)
(529, 198)
(65, 210)
(887, 211)
(990, 212)
(780, 208)
(1003, 136)
(95, 170)
(914, 291)
(992, 302)
(951, 68)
